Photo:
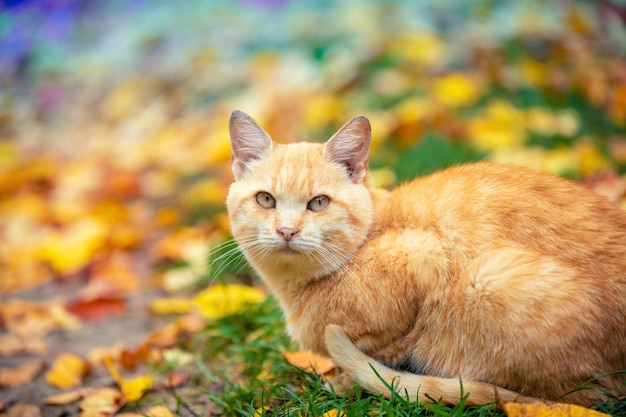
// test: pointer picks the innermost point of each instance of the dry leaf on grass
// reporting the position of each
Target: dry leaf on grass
(310, 362)
(12, 377)
(223, 300)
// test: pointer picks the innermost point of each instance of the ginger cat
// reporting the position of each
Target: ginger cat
(497, 277)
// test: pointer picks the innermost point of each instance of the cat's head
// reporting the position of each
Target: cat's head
(299, 210)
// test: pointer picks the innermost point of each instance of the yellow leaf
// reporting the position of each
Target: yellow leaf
(456, 90)
(73, 247)
(171, 305)
(334, 413)
(501, 126)
(224, 300)
(549, 410)
(423, 48)
(310, 362)
(134, 388)
(67, 371)
(117, 377)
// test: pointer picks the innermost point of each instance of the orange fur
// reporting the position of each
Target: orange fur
(490, 275)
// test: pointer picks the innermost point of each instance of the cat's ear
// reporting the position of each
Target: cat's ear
(248, 141)
(350, 147)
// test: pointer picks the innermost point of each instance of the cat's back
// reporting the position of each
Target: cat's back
(485, 206)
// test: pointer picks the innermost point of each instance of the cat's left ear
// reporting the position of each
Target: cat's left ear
(248, 141)
(350, 147)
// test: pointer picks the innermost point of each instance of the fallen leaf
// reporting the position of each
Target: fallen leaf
(72, 248)
(165, 337)
(10, 344)
(132, 388)
(22, 374)
(23, 410)
(334, 413)
(310, 362)
(159, 411)
(131, 357)
(549, 410)
(225, 300)
(98, 309)
(27, 319)
(111, 279)
(101, 402)
(96, 356)
(67, 371)
(171, 305)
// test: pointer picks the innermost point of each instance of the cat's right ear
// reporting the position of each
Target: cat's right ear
(248, 142)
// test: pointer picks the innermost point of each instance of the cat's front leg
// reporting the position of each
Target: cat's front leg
(394, 273)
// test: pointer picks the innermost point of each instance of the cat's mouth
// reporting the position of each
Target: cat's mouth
(289, 250)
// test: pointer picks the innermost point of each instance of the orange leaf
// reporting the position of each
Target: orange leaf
(67, 371)
(12, 377)
(164, 337)
(111, 279)
(549, 410)
(310, 362)
(130, 358)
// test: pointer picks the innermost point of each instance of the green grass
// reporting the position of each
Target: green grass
(242, 372)
(240, 359)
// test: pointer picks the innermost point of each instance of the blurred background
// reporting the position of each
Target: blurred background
(114, 148)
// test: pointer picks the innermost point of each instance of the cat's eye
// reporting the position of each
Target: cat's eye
(318, 203)
(265, 200)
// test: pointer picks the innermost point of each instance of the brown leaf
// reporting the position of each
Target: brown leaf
(310, 362)
(12, 377)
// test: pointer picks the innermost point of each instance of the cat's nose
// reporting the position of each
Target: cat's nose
(287, 232)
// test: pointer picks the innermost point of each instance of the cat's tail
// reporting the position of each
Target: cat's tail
(360, 368)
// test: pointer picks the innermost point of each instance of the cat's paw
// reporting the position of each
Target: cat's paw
(341, 384)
